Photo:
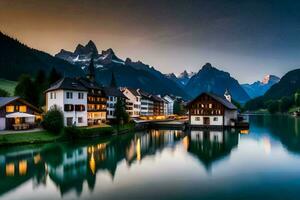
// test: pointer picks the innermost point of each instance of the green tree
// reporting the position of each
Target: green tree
(27, 90)
(178, 108)
(297, 98)
(41, 84)
(120, 112)
(285, 104)
(53, 120)
(273, 107)
(54, 76)
(3, 93)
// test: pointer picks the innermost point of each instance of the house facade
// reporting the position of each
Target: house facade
(212, 110)
(16, 113)
(158, 105)
(96, 101)
(170, 105)
(113, 95)
(133, 102)
(146, 103)
(71, 98)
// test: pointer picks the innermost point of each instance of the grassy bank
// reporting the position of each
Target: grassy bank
(8, 86)
(29, 138)
(68, 133)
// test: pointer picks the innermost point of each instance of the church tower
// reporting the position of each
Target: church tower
(227, 95)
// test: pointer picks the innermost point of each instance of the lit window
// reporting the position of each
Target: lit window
(22, 109)
(210, 105)
(10, 109)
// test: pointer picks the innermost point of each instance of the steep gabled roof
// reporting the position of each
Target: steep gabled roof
(112, 91)
(89, 84)
(220, 99)
(134, 91)
(67, 84)
(7, 100)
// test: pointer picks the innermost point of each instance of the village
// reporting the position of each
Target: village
(85, 103)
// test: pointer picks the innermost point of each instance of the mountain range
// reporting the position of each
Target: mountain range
(17, 58)
(138, 74)
(259, 88)
(127, 72)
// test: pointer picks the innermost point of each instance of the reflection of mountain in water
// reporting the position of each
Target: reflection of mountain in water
(286, 128)
(210, 146)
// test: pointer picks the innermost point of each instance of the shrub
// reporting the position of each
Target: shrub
(72, 132)
(53, 120)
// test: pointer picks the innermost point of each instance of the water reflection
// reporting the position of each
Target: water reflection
(210, 146)
(71, 166)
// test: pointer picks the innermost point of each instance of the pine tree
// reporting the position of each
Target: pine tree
(113, 82)
(54, 76)
(27, 90)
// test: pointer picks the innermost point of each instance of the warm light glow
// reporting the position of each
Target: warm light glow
(92, 164)
(17, 120)
(10, 109)
(22, 167)
(185, 142)
(10, 169)
(138, 149)
(23, 109)
(37, 159)
(244, 131)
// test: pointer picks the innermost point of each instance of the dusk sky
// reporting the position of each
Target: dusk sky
(246, 38)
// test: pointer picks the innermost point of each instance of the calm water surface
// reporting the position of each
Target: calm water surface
(162, 164)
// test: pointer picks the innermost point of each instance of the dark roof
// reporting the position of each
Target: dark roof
(218, 98)
(89, 84)
(6, 100)
(67, 84)
(112, 91)
(157, 98)
(144, 94)
(134, 91)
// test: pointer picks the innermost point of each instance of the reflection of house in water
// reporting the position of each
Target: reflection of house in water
(72, 170)
(210, 146)
(18, 167)
(148, 144)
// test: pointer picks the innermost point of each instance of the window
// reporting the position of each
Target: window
(80, 95)
(80, 120)
(197, 118)
(215, 119)
(69, 121)
(10, 109)
(51, 95)
(22, 109)
(79, 108)
(69, 95)
(210, 105)
(68, 107)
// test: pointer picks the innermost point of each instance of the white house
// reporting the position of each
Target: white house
(170, 104)
(133, 102)
(71, 97)
(113, 94)
(146, 103)
(212, 110)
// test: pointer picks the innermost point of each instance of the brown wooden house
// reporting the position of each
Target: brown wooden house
(209, 109)
(16, 113)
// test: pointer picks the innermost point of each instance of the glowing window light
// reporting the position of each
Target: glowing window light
(138, 150)
(92, 164)
(10, 169)
(23, 167)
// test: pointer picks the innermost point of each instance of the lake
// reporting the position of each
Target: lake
(262, 163)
